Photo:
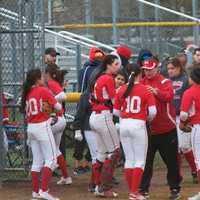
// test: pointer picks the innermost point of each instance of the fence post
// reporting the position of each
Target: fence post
(78, 62)
(2, 149)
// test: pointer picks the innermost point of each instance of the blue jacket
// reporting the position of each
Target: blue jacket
(85, 73)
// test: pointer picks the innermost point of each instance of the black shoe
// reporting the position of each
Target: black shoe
(145, 194)
(175, 194)
(79, 171)
(115, 181)
(194, 178)
(86, 169)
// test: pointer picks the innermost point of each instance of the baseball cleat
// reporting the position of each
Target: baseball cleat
(195, 197)
(107, 193)
(194, 178)
(145, 194)
(91, 187)
(136, 197)
(175, 195)
(65, 181)
(47, 196)
(35, 195)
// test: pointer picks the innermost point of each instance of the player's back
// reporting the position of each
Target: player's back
(34, 104)
(136, 104)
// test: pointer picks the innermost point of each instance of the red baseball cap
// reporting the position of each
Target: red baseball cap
(124, 51)
(149, 64)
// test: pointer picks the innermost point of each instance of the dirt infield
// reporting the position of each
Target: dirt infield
(78, 191)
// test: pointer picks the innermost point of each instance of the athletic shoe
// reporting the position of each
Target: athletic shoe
(65, 181)
(145, 194)
(79, 171)
(107, 193)
(35, 195)
(136, 197)
(86, 169)
(194, 178)
(175, 195)
(195, 197)
(47, 196)
(91, 187)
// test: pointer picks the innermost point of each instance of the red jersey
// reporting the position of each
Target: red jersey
(136, 104)
(56, 89)
(104, 90)
(34, 100)
(191, 104)
(166, 114)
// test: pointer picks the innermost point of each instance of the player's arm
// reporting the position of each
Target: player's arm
(152, 111)
(186, 103)
(165, 93)
(110, 86)
(50, 99)
(117, 104)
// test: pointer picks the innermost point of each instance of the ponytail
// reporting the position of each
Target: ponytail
(130, 84)
(31, 79)
(135, 70)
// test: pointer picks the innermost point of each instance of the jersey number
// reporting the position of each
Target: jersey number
(31, 106)
(133, 104)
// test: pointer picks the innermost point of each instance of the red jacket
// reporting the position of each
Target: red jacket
(166, 114)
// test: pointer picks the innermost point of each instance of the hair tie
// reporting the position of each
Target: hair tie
(132, 73)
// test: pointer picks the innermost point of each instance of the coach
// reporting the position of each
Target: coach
(163, 134)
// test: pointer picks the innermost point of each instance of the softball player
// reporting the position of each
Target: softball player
(53, 77)
(180, 83)
(132, 103)
(39, 131)
(103, 92)
(190, 111)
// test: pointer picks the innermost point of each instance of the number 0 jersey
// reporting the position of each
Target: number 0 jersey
(136, 104)
(34, 101)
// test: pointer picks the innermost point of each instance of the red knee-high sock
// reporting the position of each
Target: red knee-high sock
(198, 173)
(189, 156)
(63, 165)
(35, 181)
(179, 161)
(92, 178)
(46, 176)
(97, 172)
(128, 175)
(136, 179)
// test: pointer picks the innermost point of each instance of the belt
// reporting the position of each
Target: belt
(102, 112)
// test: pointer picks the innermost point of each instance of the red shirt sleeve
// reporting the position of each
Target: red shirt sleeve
(165, 93)
(150, 99)
(55, 87)
(110, 87)
(47, 96)
(186, 102)
(118, 102)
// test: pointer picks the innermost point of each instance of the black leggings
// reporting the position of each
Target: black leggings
(167, 146)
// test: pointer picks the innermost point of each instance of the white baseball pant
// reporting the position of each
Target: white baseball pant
(90, 137)
(195, 138)
(184, 139)
(134, 139)
(43, 145)
(106, 134)
(57, 130)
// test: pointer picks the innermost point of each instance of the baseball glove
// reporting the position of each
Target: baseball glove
(46, 108)
(185, 127)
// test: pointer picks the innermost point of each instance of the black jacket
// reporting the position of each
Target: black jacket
(81, 121)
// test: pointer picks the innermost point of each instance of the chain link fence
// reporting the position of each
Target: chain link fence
(22, 47)
(127, 28)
